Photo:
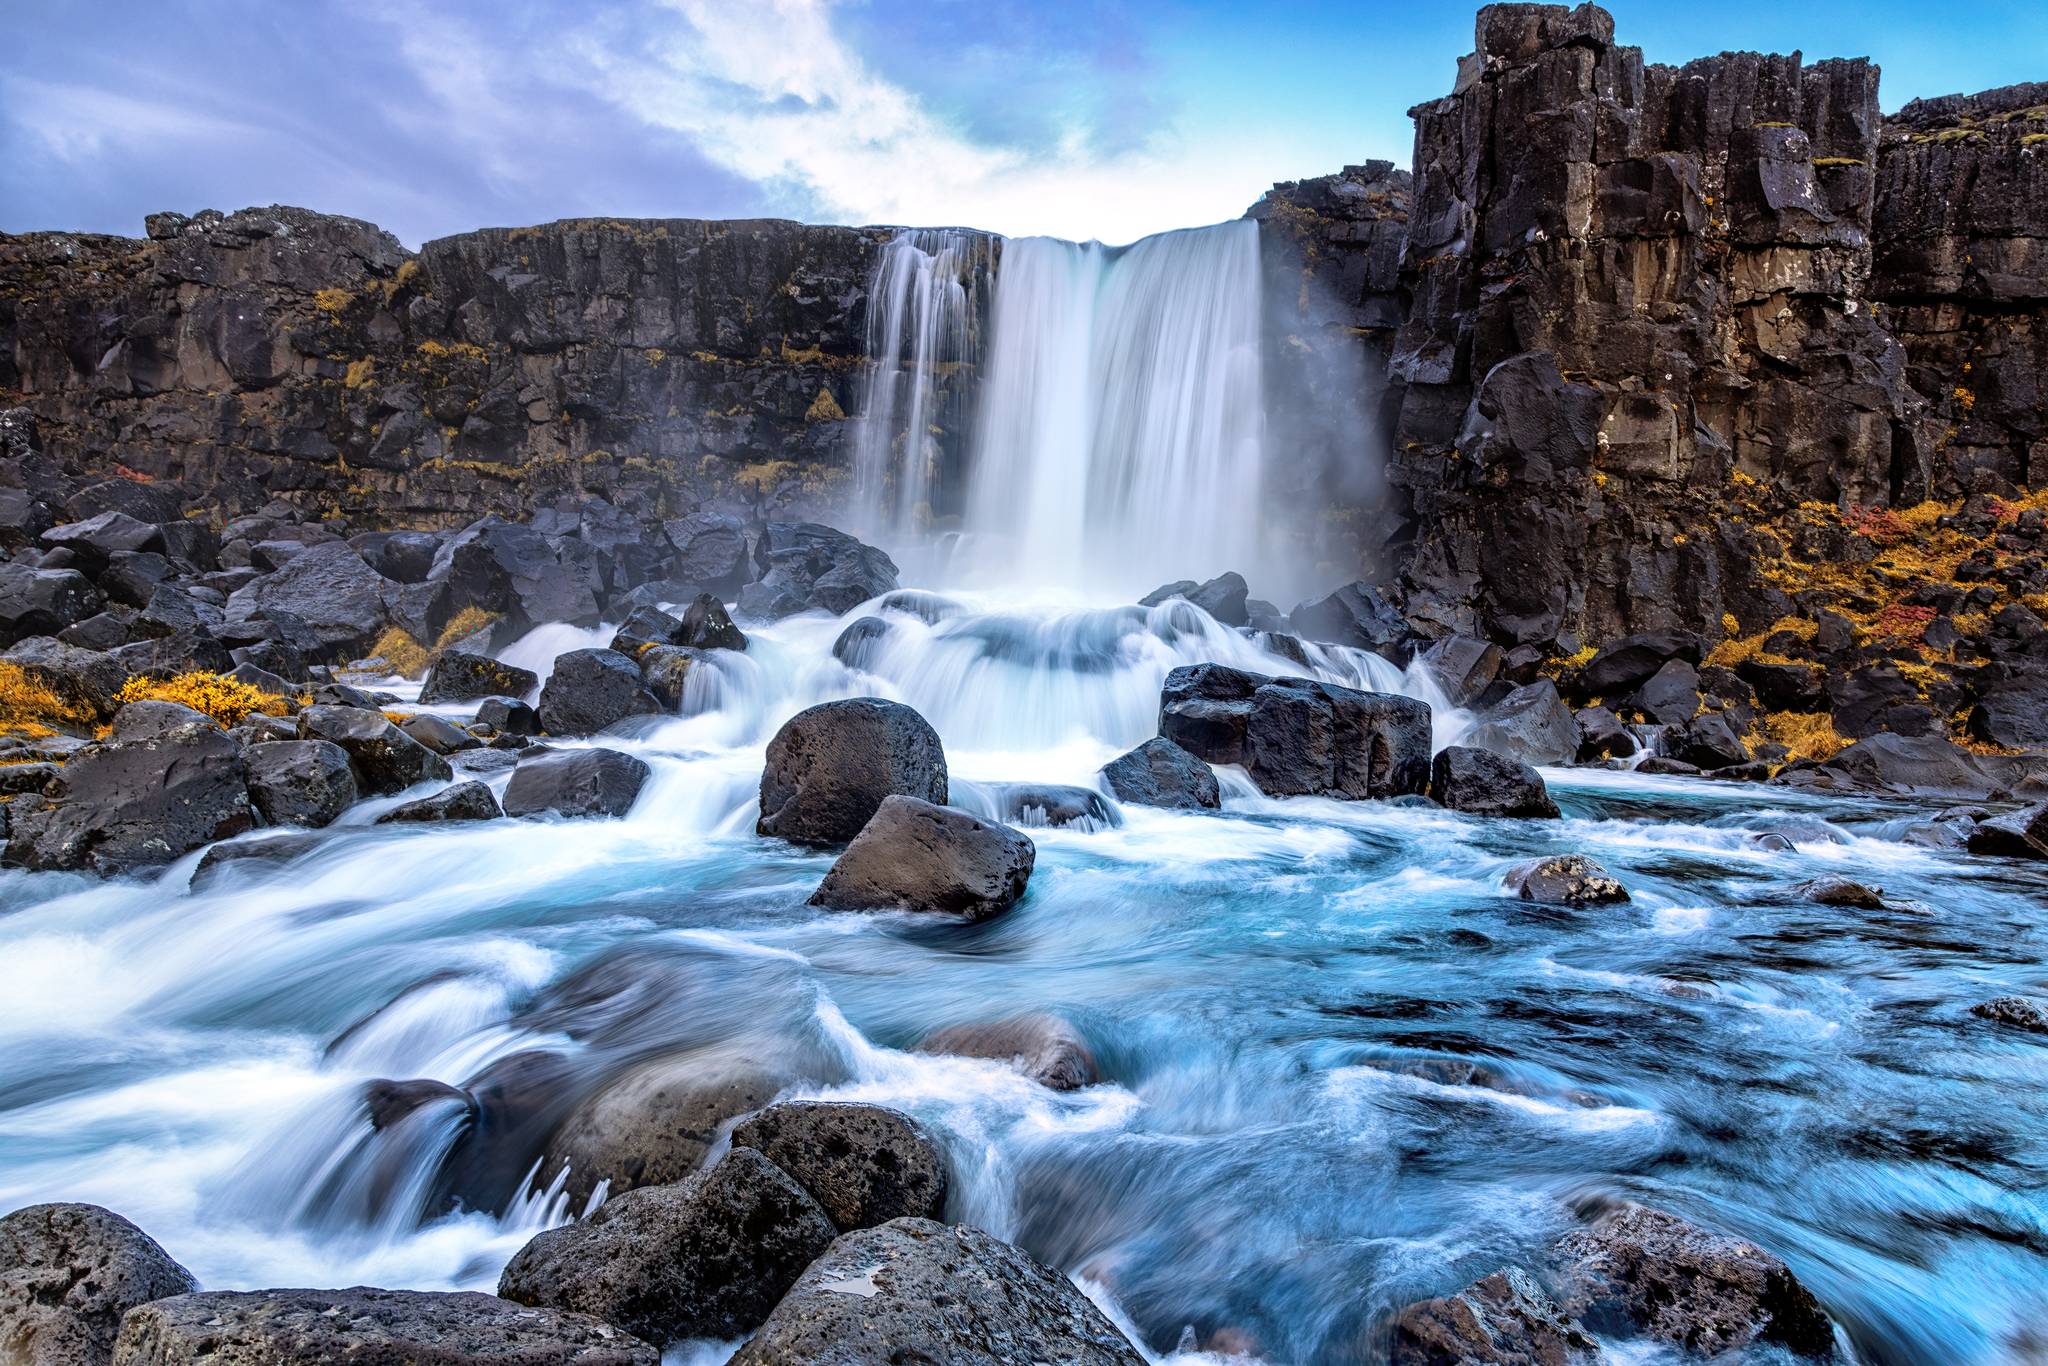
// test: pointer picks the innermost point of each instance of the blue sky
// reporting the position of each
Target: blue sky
(1108, 120)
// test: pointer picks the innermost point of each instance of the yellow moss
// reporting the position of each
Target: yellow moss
(332, 301)
(1965, 398)
(360, 373)
(1729, 625)
(400, 649)
(29, 707)
(1805, 735)
(1838, 161)
(227, 700)
(463, 624)
(655, 355)
(2033, 139)
(395, 717)
(763, 476)
(824, 408)
(464, 350)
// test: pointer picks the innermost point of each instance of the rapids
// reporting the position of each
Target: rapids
(1281, 996)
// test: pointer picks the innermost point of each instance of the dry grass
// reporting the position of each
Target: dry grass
(463, 624)
(401, 650)
(1805, 735)
(29, 707)
(227, 700)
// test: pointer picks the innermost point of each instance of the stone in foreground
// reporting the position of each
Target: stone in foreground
(1829, 890)
(137, 803)
(707, 1257)
(300, 782)
(863, 1164)
(1482, 783)
(470, 801)
(914, 856)
(67, 1275)
(1043, 1047)
(368, 1327)
(1296, 736)
(1161, 773)
(1567, 880)
(830, 766)
(1642, 1270)
(576, 783)
(1501, 1320)
(590, 690)
(916, 1291)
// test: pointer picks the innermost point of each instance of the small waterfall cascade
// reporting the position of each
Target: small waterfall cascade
(924, 340)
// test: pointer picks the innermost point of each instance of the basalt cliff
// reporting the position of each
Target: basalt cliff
(1716, 359)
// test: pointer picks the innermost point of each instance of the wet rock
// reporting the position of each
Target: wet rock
(263, 853)
(1912, 766)
(592, 689)
(442, 737)
(1053, 806)
(1504, 1319)
(1602, 736)
(1463, 668)
(385, 758)
(390, 1103)
(2014, 834)
(2018, 1012)
(321, 1327)
(643, 627)
(666, 671)
(1223, 597)
(913, 855)
(915, 1290)
(42, 602)
(863, 1164)
(459, 676)
(704, 1258)
(1671, 696)
(705, 626)
(96, 540)
(1355, 615)
(1566, 880)
(1640, 1269)
(1666, 766)
(509, 716)
(2013, 710)
(1043, 1047)
(830, 767)
(1296, 736)
(1710, 742)
(575, 783)
(711, 550)
(1531, 724)
(68, 1273)
(1623, 665)
(329, 590)
(300, 782)
(1167, 592)
(856, 645)
(134, 803)
(400, 556)
(1161, 773)
(519, 573)
(807, 567)
(1830, 890)
(1479, 782)
(471, 801)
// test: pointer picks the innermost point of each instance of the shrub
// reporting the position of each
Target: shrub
(399, 648)
(29, 707)
(228, 701)
(1805, 735)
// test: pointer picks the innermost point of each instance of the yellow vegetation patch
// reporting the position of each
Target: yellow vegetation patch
(227, 700)
(464, 350)
(462, 625)
(1805, 735)
(360, 373)
(824, 408)
(332, 301)
(400, 649)
(29, 707)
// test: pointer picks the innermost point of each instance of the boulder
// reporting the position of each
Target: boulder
(1829, 890)
(644, 626)
(1225, 597)
(460, 676)
(330, 590)
(1566, 880)
(830, 767)
(508, 716)
(1640, 1269)
(300, 782)
(856, 645)
(708, 1257)
(442, 737)
(81, 676)
(1911, 766)
(1671, 696)
(575, 783)
(470, 801)
(807, 567)
(1161, 773)
(134, 803)
(666, 671)
(1710, 741)
(1462, 668)
(67, 1275)
(1355, 615)
(2018, 1012)
(2012, 711)
(260, 854)
(1479, 782)
(365, 1326)
(705, 626)
(1043, 1047)
(98, 539)
(710, 549)
(1504, 1319)
(592, 689)
(385, 758)
(2013, 834)
(1055, 806)
(1296, 736)
(1623, 665)
(1602, 735)
(400, 556)
(913, 855)
(42, 602)
(390, 1103)
(863, 1164)
(918, 1291)
(1531, 724)
(519, 573)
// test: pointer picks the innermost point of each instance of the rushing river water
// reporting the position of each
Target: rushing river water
(1280, 996)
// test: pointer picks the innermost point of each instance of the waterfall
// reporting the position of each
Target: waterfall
(923, 331)
(1119, 440)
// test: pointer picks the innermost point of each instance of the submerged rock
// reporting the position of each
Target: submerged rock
(1482, 783)
(1054, 806)
(2016, 834)
(471, 801)
(1043, 1047)
(1296, 736)
(576, 783)
(68, 1273)
(916, 856)
(704, 1258)
(863, 1164)
(391, 1103)
(1463, 668)
(2020, 1012)
(1566, 880)
(1830, 890)
(830, 767)
(1640, 1269)
(1504, 1319)
(361, 1325)
(1161, 773)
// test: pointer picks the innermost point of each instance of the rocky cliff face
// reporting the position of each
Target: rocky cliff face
(280, 352)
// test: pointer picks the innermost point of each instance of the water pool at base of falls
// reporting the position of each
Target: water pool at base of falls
(1281, 998)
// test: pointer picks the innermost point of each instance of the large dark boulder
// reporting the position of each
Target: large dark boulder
(918, 1291)
(327, 588)
(863, 1164)
(67, 1275)
(1642, 1270)
(1602, 735)
(1505, 1319)
(42, 602)
(806, 566)
(1670, 696)
(96, 540)
(575, 783)
(1225, 597)
(710, 550)
(592, 689)
(368, 1328)
(666, 670)
(300, 782)
(1482, 783)
(134, 803)
(2012, 834)
(1161, 773)
(706, 1258)
(1531, 724)
(1297, 736)
(470, 801)
(830, 767)
(913, 855)
(461, 676)
(400, 556)
(1910, 766)
(1462, 668)
(1623, 665)
(1357, 615)
(84, 677)
(706, 626)
(1565, 880)
(2013, 710)
(385, 758)
(1044, 1047)
(526, 577)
